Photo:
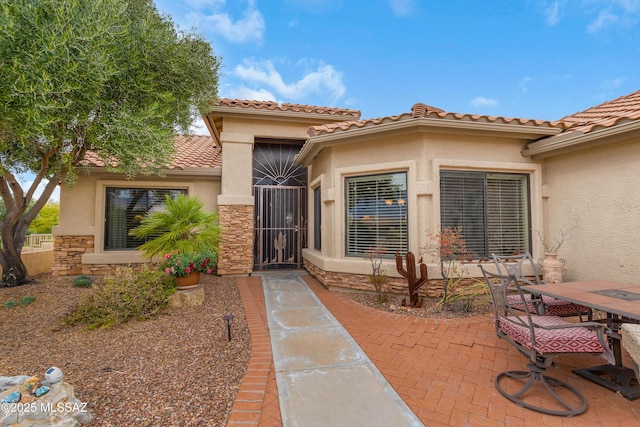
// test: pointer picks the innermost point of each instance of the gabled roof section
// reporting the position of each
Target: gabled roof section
(297, 108)
(448, 119)
(612, 121)
(610, 113)
(192, 151)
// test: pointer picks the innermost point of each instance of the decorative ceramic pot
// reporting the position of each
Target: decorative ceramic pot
(552, 268)
(191, 281)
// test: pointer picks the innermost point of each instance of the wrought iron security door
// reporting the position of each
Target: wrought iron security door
(280, 194)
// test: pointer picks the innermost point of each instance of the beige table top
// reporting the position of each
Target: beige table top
(612, 297)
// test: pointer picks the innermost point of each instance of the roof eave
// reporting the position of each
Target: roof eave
(576, 140)
(316, 144)
(202, 172)
(264, 114)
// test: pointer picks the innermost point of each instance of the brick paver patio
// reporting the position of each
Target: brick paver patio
(443, 369)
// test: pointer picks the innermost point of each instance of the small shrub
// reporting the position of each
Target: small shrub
(126, 295)
(10, 304)
(27, 300)
(82, 281)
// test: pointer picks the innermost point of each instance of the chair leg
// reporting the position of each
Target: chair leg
(534, 375)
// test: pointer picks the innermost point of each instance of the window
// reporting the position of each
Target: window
(125, 207)
(376, 213)
(317, 219)
(492, 209)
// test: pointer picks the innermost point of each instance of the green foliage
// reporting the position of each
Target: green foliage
(10, 303)
(183, 226)
(113, 77)
(82, 281)
(46, 219)
(24, 301)
(126, 295)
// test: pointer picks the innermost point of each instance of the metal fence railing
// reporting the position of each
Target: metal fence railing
(38, 242)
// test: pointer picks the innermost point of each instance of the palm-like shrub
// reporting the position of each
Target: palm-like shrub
(183, 226)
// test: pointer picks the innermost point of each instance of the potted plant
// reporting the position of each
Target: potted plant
(183, 236)
(552, 267)
(187, 266)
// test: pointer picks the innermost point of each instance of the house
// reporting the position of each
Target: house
(299, 186)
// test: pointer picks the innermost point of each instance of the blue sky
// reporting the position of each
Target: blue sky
(530, 59)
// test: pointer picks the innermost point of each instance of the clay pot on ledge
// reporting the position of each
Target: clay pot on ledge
(190, 281)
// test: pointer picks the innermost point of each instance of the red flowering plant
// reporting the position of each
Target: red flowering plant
(181, 264)
(449, 248)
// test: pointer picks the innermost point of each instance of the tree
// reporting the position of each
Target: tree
(109, 76)
(46, 219)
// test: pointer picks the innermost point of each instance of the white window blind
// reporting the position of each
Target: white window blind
(376, 213)
(492, 209)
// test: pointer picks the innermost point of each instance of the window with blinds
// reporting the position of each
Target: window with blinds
(125, 207)
(376, 213)
(492, 209)
(317, 219)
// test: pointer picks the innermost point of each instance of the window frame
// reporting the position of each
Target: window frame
(377, 204)
(105, 206)
(524, 216)
(317, 218)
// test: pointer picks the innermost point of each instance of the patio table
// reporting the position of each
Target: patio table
(621, 302)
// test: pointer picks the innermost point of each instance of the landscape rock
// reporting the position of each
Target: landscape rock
(58, 407)
(188, 298)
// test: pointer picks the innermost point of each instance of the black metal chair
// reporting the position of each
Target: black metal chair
(540, 339)
(517, 265)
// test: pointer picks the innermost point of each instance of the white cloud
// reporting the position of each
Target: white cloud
(552, 13)
(250, 28)
(481, 101)
(243, 92)
(605, 19)
(614, 83)
(402, 7)
(524, 84)
(324, 80)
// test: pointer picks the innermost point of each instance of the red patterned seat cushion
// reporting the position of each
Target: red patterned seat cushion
(553, 306)
(569, 340)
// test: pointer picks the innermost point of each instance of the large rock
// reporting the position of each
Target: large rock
(57, 408)
(188, 298)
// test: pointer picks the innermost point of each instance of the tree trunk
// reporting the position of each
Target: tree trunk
(14, 272)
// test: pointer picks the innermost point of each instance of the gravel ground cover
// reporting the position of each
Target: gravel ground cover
(176, 370)
(430, 307)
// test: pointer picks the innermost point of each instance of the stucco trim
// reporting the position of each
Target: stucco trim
(316, 144)
(577, 140)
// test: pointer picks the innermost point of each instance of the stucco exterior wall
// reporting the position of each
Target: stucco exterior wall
(597, 191)
(422, 155)
(82, 209)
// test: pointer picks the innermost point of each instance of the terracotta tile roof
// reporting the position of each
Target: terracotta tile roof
(426, 111)
(608, 114)
(192, 151)
(272, 105)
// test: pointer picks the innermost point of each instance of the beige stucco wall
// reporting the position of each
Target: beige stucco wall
(82, 208)
(597, 190)
(422, 155)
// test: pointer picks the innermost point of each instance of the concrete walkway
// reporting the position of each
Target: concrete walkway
(323, 377)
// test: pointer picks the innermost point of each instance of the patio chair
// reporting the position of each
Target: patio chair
(541, 339)
(516, 265)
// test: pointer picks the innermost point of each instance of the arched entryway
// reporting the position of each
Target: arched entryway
(280, 194)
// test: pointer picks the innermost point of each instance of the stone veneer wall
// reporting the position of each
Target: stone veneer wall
(360, 282)
(67, 254)
(236, 248)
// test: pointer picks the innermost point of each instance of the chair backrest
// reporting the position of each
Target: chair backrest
(519, 266)
(499, 286)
